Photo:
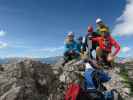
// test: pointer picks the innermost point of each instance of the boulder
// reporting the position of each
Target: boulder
(26, 80)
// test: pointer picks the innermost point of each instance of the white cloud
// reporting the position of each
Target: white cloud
(126, 49)
(3, 45)
(2, 33)
(124, 24)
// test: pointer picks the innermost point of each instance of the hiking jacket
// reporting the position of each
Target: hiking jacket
(89, 81)
(107, 46)
(71, 46)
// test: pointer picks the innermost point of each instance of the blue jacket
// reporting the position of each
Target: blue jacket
(71, 46)
(89, 82)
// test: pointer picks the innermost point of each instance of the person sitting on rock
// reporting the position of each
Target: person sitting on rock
(71, 50)
(104, 50)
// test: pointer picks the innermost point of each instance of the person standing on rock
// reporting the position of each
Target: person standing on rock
(90, 45)
(71, 48)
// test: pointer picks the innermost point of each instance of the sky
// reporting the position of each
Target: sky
(37, 28)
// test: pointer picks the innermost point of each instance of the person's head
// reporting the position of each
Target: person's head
(99, 22)
(70, 36)
(104, 32)
(90, 29)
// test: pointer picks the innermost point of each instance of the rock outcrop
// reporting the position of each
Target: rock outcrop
(32, 80)
(27, 80)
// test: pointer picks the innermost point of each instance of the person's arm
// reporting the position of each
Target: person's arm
(116, 45)
(75, 47)
(95, 39)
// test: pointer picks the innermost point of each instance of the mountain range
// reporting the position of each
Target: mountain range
(49, 60)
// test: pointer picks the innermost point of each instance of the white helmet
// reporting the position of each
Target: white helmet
(98, 20)
(70, 34)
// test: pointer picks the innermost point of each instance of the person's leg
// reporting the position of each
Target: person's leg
(105, 56)
(101, 57)
(66, 55)
(94, 46)
(91, 56)
(76, 55)
(98, 53)
(66, 58)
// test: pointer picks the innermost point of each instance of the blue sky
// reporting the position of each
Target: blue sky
(37, 28)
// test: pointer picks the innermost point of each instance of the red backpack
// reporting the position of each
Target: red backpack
(72, 92)
(75, 92)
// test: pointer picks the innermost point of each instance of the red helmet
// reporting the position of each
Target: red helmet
(90, 29)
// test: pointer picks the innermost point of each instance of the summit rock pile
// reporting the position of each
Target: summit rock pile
(33, 80)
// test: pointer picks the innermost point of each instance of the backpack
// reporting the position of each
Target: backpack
(93, 79)
(112, 95)
(72, 92)
(75, 92)
(103, 92)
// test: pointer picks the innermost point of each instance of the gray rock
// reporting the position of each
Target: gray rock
(26, 80)
(32, 80)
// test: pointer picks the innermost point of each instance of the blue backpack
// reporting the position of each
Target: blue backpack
(93, 84)
(95, 78)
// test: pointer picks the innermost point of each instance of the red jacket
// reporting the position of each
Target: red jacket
(107, 46)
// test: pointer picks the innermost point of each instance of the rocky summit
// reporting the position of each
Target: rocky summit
(33, 80)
